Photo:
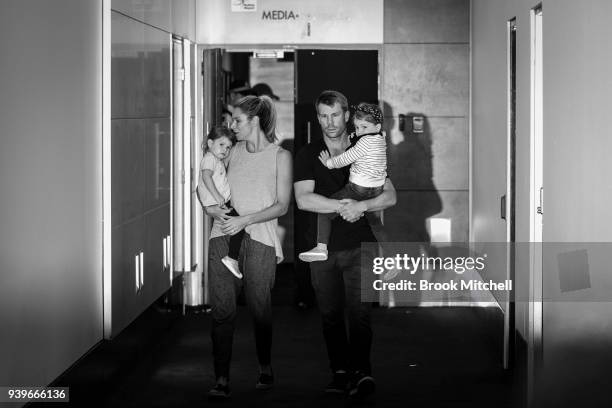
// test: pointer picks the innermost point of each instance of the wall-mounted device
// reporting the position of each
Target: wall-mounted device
(417, 124)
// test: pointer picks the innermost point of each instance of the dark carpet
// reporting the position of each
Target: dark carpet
(422, 357)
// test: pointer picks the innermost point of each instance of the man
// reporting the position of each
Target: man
(264, 89)
(337, 281)
(238, 89)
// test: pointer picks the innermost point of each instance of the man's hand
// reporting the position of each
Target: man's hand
(351, 210)
(324, 156)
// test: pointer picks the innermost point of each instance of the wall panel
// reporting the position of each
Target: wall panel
(157, 139)
(51, 183)
(128, 169)
(432, 79)
(140, 168)
(407, 221)
(425, 73)
(440, 152)
(427, 21)
(172, 16)
(184, 18)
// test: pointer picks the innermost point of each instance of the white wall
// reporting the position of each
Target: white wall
(577, 189)
(50, 183)
(296, 22)
(173, 16)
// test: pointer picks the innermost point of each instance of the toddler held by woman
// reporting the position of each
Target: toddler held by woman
(214, 188)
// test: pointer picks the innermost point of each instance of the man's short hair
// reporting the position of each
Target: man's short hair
(330, 98)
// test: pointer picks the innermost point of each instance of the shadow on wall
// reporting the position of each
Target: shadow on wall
(410, 167)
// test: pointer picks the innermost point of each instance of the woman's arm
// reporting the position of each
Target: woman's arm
(210, 185)
(279, 208)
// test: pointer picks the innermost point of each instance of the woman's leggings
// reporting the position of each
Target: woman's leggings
(258, 266)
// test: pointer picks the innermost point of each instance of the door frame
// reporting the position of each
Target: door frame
(509, 198)
(107, 233)
(198, 93)
(295, 47)
(536, 170)
(201, 127)
(180, 220)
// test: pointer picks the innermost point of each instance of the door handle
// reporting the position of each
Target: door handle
(308, 132)
(540, 208)
(503, 207)
(141, 270)
(137, 271)
(164, 253)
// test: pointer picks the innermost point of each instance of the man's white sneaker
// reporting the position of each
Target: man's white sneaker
(315, 254)
(232, 265)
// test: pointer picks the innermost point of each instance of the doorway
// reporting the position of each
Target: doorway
(294, 78)
(355, 74)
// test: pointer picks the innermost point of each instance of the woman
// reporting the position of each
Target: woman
(259, 174)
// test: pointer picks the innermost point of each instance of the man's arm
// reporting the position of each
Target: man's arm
(353, 210)
(308, 200)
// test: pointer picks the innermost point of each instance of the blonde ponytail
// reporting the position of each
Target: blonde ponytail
(268, 122)
(262, 107)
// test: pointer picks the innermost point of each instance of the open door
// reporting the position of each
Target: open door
(352, 72)
(210, 92)
(508, 200)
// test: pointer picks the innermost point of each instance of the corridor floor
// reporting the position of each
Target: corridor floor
(422, 357)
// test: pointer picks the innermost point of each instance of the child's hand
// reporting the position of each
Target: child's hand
(323, 157)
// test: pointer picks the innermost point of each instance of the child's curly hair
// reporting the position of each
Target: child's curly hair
(369, 112)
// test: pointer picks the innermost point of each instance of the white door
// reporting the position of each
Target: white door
(181, 155)
(536, 202)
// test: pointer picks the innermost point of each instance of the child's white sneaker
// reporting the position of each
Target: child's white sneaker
(315, 254)
(232, 265)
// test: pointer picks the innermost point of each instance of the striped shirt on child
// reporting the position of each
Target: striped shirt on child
(368, 158)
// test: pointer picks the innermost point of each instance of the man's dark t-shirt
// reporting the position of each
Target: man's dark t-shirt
(344, 235)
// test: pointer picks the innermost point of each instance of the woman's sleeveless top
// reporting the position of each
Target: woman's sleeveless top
(252, 179)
